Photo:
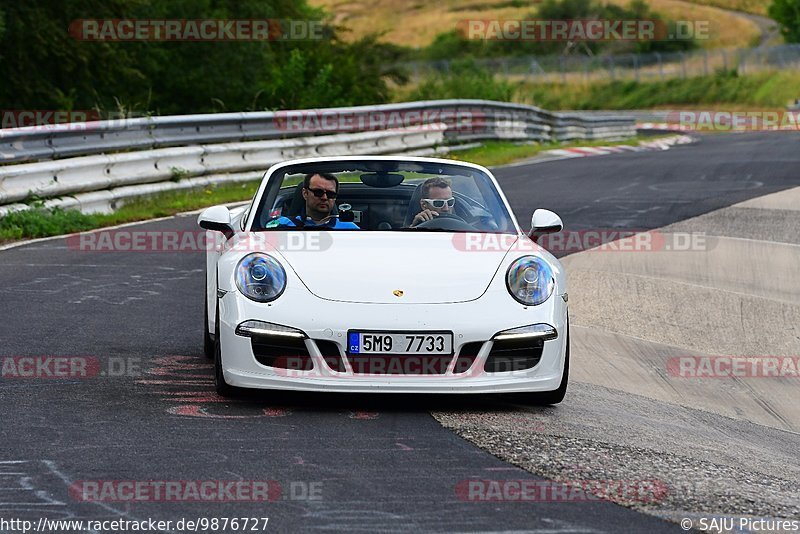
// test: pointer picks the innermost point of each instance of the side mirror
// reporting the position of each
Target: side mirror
(545, 222)
(217, 219)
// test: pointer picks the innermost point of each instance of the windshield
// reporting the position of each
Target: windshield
(382, 195)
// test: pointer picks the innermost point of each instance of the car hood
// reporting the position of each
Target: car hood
(397, 267)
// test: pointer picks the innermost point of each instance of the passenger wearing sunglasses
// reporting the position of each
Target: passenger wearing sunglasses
(319, 192)
(437, 198)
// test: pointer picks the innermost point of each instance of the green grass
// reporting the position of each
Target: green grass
(723, 90)
(493, 153)
(43, 223)
(765, 90)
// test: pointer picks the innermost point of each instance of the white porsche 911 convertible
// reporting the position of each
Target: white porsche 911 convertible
(384, 274)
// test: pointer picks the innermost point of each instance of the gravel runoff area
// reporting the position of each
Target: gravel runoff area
(708, 464)
(722, 448)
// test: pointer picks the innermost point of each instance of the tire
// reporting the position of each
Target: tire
(208, 341)
(222, 387)
(545, 398)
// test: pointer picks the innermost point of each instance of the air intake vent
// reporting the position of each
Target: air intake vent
(281, 352)
(513, 355)
(466, 356)
(330, 352)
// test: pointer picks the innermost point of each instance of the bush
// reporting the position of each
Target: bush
(464, 80)
(339, 75)
(787, 14)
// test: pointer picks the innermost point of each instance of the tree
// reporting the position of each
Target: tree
(44, 67)
(787, 14)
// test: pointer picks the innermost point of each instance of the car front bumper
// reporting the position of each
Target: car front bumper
(329, 321)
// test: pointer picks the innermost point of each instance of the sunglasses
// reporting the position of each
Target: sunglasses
(319, 193)
(439, 203)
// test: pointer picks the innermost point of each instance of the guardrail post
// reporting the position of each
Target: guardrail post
(683, 64)
(660, 67)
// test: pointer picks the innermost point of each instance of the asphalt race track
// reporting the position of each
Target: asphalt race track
(345, 462)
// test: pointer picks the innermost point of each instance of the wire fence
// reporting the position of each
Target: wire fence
(638, 67)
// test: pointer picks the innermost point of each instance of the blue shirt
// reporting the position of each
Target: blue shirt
(333, 222)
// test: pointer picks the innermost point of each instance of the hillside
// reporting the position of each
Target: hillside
(417, 22)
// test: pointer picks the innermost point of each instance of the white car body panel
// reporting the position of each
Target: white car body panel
(403, 260)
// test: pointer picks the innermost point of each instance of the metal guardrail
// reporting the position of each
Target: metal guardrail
(68, 140)
(640, 115)
(108, 158)
(73, 176)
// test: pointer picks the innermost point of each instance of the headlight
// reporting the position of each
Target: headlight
(530, 280)
(260, 277)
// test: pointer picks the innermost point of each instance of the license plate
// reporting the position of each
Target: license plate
(399, 342)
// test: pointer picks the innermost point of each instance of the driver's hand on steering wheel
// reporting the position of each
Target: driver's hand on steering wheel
(423, 216)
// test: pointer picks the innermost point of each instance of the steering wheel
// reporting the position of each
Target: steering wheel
(446, 221)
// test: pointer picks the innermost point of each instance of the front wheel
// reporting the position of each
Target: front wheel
(208, 342)
(544, 398)
(222, 387)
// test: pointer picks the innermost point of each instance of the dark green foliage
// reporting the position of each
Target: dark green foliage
(338, 75)
(43, 67)
(464, 80)
(787, 14)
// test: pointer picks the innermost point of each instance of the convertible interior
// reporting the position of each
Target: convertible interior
(387, 208)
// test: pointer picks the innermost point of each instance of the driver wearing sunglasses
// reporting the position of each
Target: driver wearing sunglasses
(319, 192)
(437, 198)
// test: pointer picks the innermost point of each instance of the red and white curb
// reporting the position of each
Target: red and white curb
(664, 126)
(666, 143)
(658, 144)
